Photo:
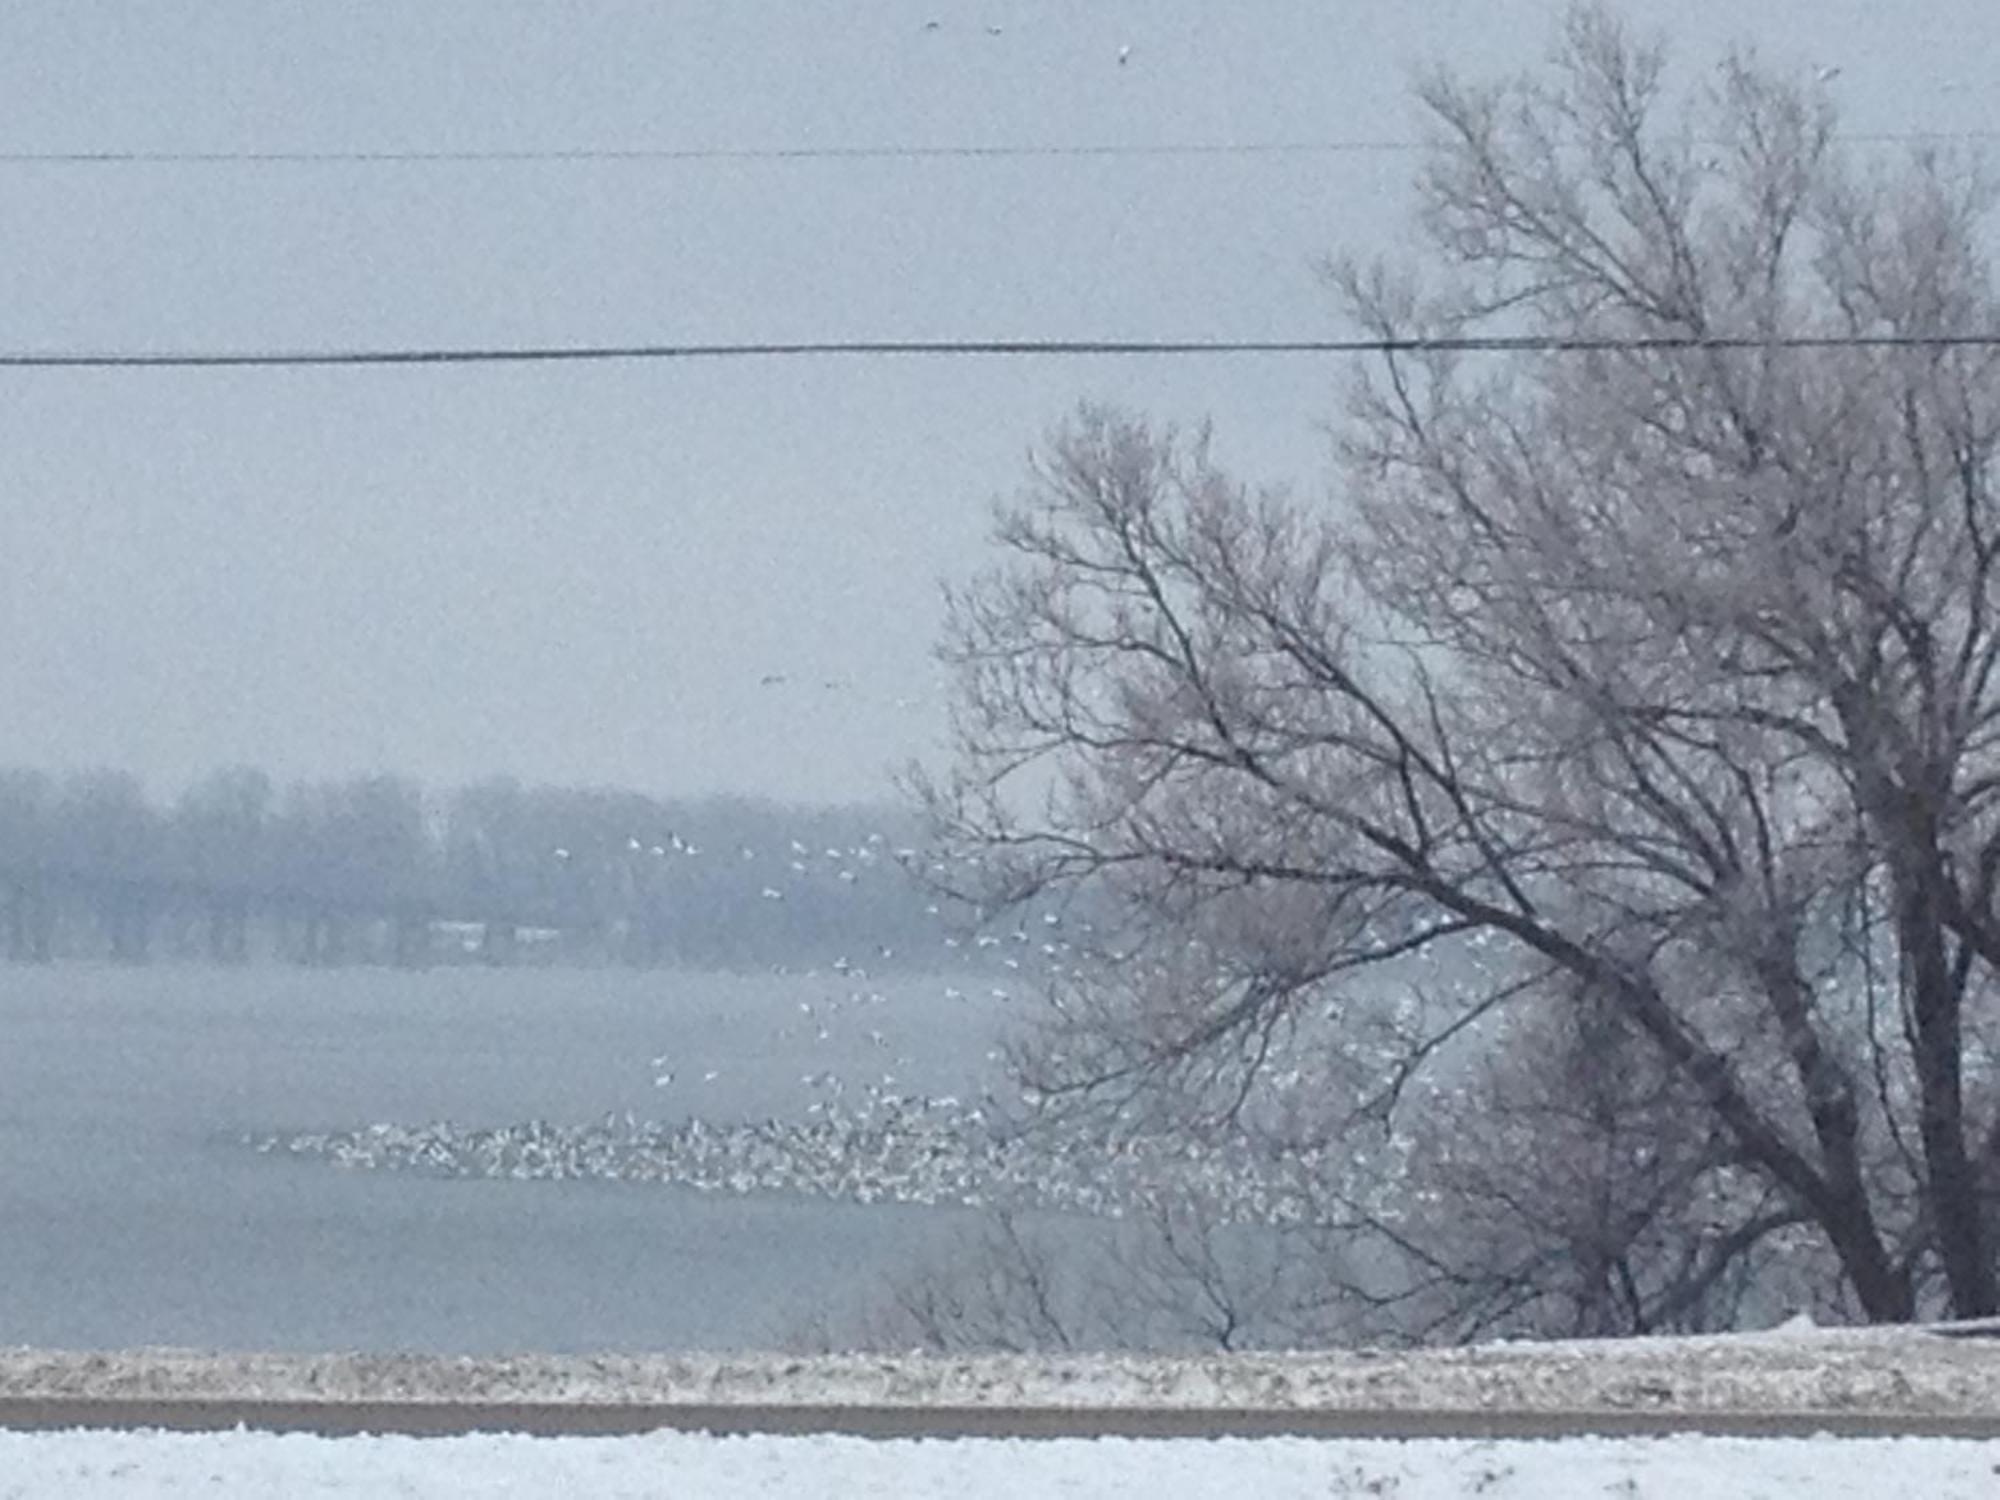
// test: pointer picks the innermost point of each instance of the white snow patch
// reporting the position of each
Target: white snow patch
(146, 1466)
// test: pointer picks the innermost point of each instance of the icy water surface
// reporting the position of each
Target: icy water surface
(132, 1212)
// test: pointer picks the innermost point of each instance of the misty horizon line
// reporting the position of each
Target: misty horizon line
(166, 791)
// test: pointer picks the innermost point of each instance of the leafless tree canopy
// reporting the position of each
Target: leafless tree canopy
(1600, 795)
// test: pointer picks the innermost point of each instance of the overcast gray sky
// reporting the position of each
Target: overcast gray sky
(585, 573)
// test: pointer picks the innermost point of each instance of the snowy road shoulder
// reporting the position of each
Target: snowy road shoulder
(1888, 1377)
(144, 1466)
(1887, 1373)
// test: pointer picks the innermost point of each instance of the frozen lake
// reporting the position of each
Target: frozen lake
(135, 1214)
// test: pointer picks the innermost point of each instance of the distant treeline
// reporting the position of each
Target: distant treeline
(376, 869)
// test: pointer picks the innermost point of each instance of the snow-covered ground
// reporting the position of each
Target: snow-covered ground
(1912, 1372)
(139, 1466)
(1793, 1371)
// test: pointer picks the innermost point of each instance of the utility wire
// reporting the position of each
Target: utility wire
(671, 154)
(964, 348)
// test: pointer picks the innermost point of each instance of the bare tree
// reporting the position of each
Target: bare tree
(1652, 674)
(109, 835)
(220, 835)
(27, 832)
(1161, 1281)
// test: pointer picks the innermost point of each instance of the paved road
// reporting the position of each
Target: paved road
(553, 1419)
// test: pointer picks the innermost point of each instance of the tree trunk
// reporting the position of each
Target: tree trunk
(496, 943)
(410, 934)
(1951, 1187)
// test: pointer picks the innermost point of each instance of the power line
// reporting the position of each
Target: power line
(670, 154)
(559, 155)
(964, 348)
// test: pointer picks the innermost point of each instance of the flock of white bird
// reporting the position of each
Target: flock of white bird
(860, 1138)
(987, 965)
(885, 1148)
